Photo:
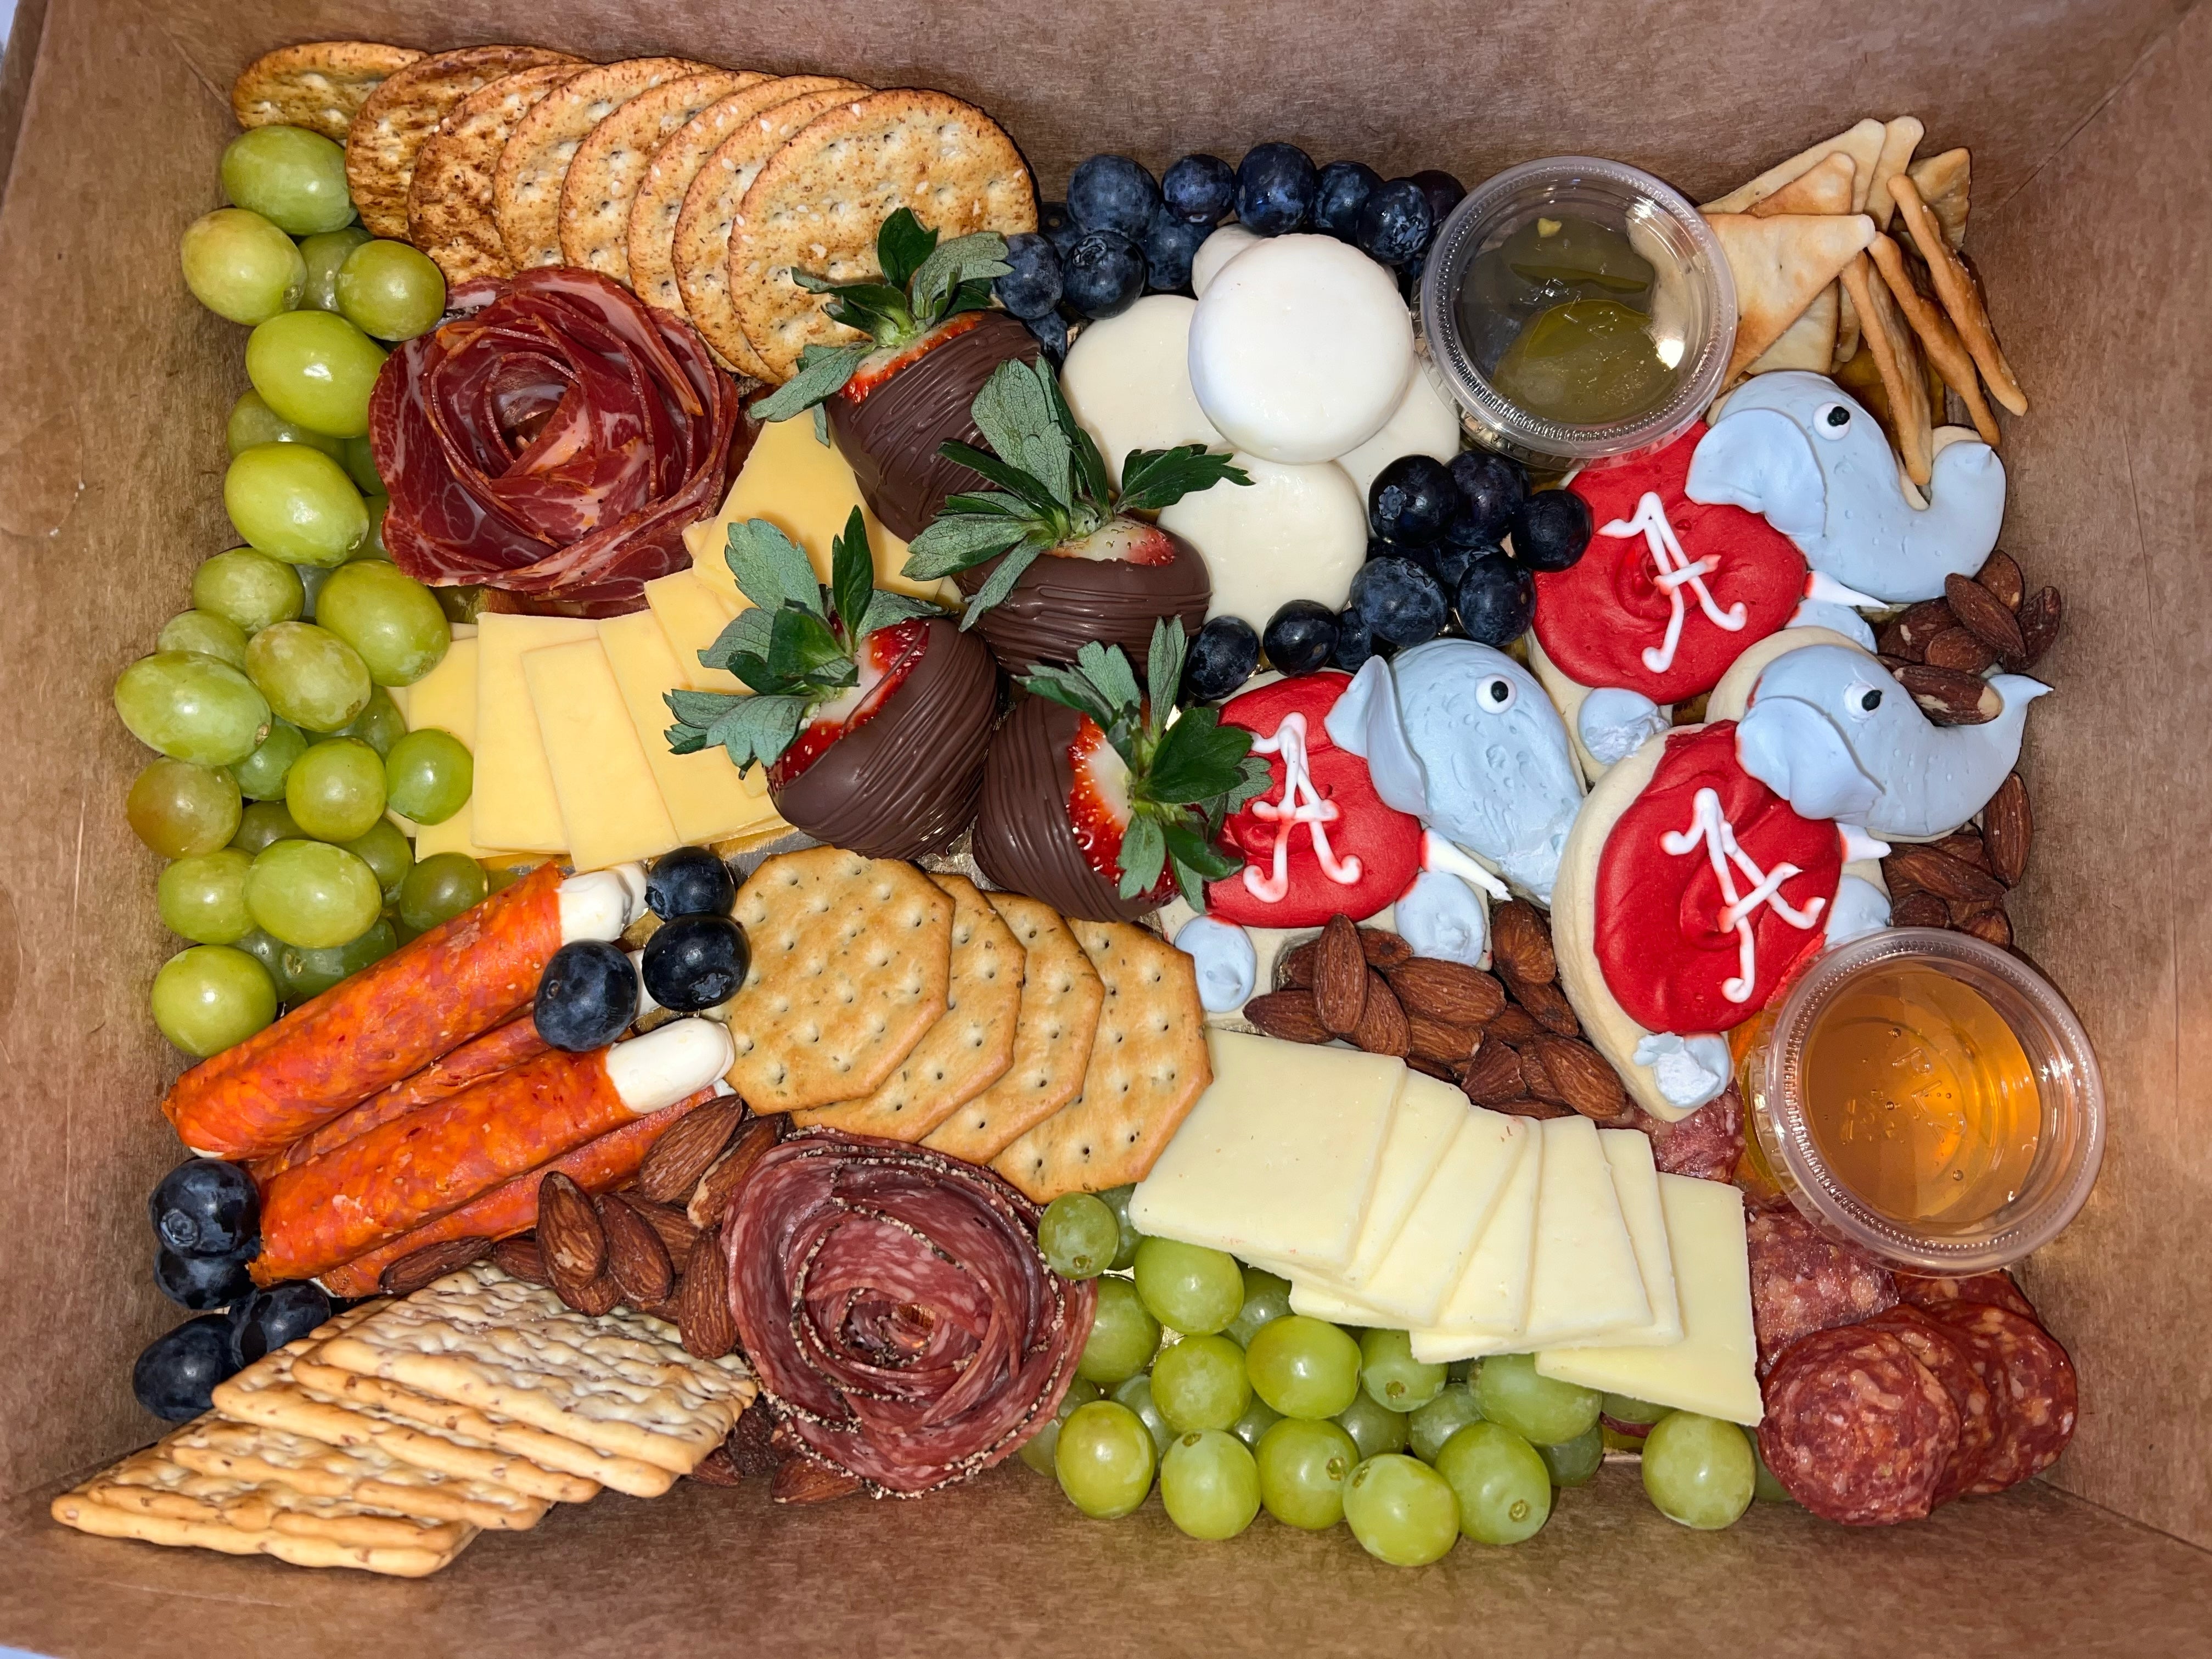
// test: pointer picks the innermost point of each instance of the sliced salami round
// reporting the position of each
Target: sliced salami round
(2032, 1387)
(1858, 1429)
(1998, 1289)
(1944, 1356)
(1706, 1145)
(1802, 1281)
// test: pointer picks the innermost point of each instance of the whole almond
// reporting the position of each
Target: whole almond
(518, 1257)
(1290, 1015)
(1449, 990)
(1382, 1029)
(1548, 1005)
(1934, 871)
(684, 1152)
(712, 1195)
(1999, 573)
(1521, 943)
(2040, 613)
(429, 1264)
(635, 1256)
(1982, 613)
(1891, 644)
(1435, 1068)
(1912, 908)
(1513, 1024)
(569, 1234)
(2008, 828)
(1494, 1075)
(1339, 976)
(702, 1300)
(1437, 1040)
(1961, 649)
(1525, 1106)
(1382, 948)
(1960, 912)
(1948, 697)
(1536, 1076)
(1964, 845)
(1907, 635)
(715, 1468)
(601, 1296)
(803, 1480)
(1296, 970)
(677, 1233)
(1582, 1079)
(1991, 927)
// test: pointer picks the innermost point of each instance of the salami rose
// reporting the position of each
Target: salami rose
(896, 1309)
(552, 439)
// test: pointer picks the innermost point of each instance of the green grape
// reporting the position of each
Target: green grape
(270, 953)
(1210, 1485)
(311, 677)
(371, 545)
(1200, 1382)
(1259, 1417)
(1188, 1287)
(1504, 1491)
(192, 707)
(315, 368)
(261, 774)
(311, 972)
(388, 616)
(1452, 1410)
(361, 466)
(204, 898)
(1402, 1510)
(1266, 1296)
(1123, 1335)
(1540, 1410)
(381, 725)
(292, 177)
(241, 267)
(1575, 1463)
(311, 894)
(1303, 1367)
(294, 503)
(1036, 1451)
(1699, 1470)
(1137, 1395)
(324, 252)
(464, 604)
(498, 876)
(1104, 1459)
(1374, 1429)
(180, 810)
(252, 421)
(204, 632)
(1303, 1467)
(1625, 1409)
(390, 290)
(264, 823)
(209, 997)
(428, 777)
(312, 577)
(336, 790)
(386, 851)
(1390, 1374)
(251, 588)
(1077, 1232)
(1116, 1198)
(1766, 1486)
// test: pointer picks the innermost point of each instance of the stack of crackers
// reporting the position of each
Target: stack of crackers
(388, 1438)
(699, 187)
(885, 1001)
(1846, 262)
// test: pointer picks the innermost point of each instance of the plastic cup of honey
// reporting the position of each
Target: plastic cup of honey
(1927, 1097)
(1580, 311)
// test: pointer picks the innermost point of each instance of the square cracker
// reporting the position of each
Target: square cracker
(851, 963)
(1780, 264)
(968, 1049)
(1946, 351)
(1962, 299)
(1148, 1068)
(1902, 377)
(252, 1452)
(1862, 142)
(1061, 995)
(317, 86)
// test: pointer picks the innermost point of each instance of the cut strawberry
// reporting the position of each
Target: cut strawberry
(880, 367)
(886, 658)
(1099, 805)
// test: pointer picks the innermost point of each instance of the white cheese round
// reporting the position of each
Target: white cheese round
(1128, 378)
(1217, 251)
(1425, 422)
(1294, 532)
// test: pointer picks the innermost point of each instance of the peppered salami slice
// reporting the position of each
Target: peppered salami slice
(1707, 1144)
(1944, 1356)
(1998, 1289)
(1803, 1281)
(2032, 1386)
(1858, 1429)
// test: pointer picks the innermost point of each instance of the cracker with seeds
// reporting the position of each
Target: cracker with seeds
(525, 188)
(609, 166)
(820, 200)
(968, 1049)
(317, 86)
(1057, 1018)
(249, 1452)
(1148, 1066)
(1961, 296)
(449, 205)
(851, 964)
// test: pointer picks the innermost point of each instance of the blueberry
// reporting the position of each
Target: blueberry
(1355, 641)
(1301, 637)
(1395, 222)
(1056, 227)
(201, 1282)
(175, 1377)
(695, 962)
(690, 882)
(1490, 489)
(1199, 189)
(265, 1321)
(1450, 558)
(1550, 529)
(1412, 500)
(206, 1208)
(1105, 273)
(1051, 332)
(1112, 192)
(1221, 658)
(1032, 287)
(1275, 187)
(587, 997)
(1170, 247)
(1342, 190)
(1444, 193)
(1495, 599)
(1402, 603)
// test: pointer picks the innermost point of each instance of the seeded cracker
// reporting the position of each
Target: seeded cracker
(609, 166)
(317, 86)
(1148, 1068)
(820, 202)
(449, 205)
(249, 1452)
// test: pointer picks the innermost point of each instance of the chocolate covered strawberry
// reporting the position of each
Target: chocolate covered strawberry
(871, 711)
(1103, 802)
(1056, 558)
(893, 401)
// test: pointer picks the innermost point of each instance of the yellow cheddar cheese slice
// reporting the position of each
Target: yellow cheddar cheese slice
(693, 612)
(610, 808)
(514, 806)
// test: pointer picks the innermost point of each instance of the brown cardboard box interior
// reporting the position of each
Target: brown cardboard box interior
(2092, 130)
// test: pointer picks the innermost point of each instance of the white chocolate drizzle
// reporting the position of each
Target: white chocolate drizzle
(1677, 570)
(1300, 803)
(1710, 828)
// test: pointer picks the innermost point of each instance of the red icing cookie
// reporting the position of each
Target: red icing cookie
(1598, 619)
(1668, 950)
(1334, 806)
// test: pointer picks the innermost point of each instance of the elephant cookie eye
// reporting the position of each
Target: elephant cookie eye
(1861, 700)
(1495, 695)
(1831, 421)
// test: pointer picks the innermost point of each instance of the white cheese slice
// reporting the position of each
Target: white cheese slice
(1713, 1369)
(1128, 381)
(1294, 532)
(513, 805)
(1635, 1184)
(611, 811)
(1487, 1309)
(1217, 251)
(1431, 1113)
(1431, 1250)
(1583, 1277)
(1278, 1159)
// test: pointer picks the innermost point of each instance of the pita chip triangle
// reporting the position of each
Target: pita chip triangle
(1824, 187)
(1901, 137)
(1780, 264)
(1861, 142)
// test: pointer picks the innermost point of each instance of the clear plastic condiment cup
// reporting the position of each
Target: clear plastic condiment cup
(2070, 1140)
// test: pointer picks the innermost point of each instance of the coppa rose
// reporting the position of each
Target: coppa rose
(553, 439)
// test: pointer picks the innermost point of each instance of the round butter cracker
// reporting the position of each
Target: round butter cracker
(317, 86)
(449, 198)
(609, 166)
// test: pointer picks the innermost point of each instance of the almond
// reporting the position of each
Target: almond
(677, 1233)
(683, 1153)
(1999, 573)
(1949, 697)
(1582, 1079)
(1537, 1077)
(1382, 1029)
(2008, 826)
(702, 1301)
(1964, 845)
(429, 1264)
(1382, 948)
(715, 1468)
(1296, 970)
(601, 1296)
(803, 1480)
(1494, 1075)
(1907, 635)
(1339, 976)
(1435, 1068)
(1437, 1040)
(518, 1257)
(2039, 616)
(712, 1195)
(1514, 1024)
(1982, 613)
(1525, 1107)
(1963, 911)
(1911, 908)
(1961, 649)
(1991, 927)
(569, 1234)
(1290, 1015)
(635, 1256)
(1448, 991)
(1520, 942)
(1934, 871)
(1548, 1005)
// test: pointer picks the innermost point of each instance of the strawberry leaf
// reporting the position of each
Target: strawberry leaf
(822, 372)
(1035, 492)
(852, 576)
(980, 256)
(771, 571)
(751, 729)
(1154, 478)
(744, 635)
(957, 540)
(1197, 759)
(802, 652)
(1000, 582)
(902, 242)
(886, 609)
(1014, 412)
(1144, 854)
(1255, 779)
(1192, 848)
(1105, 667)
(1163, 669)
(1070, 690)
(753, 669)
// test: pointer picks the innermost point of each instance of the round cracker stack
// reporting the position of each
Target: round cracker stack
(668, 175)
(317, 86)
(820, 200)
(449, 200)
(397, 118)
